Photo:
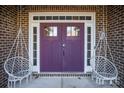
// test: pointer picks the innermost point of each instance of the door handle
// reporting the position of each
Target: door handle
(63, 45)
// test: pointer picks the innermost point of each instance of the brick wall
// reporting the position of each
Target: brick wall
(116, 38)
(7, 34)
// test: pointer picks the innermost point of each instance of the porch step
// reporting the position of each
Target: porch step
(67, 74)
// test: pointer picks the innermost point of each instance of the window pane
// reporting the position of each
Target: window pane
(75, 17)
(73, 31)
(34, 62)
(35, 38)
(68, 17)
(89, 30)
(82, 17)
(50, 31)
(42, 17)
(62, 17)
(35, 17)
(88, 54)
(34, 30)
(48, 17)
(89, 38)
(35, 54)
(89, 46)
(88, 62)
(35, 46)
(88, 17)
(55, 17)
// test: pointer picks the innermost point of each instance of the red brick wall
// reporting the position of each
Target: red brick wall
(8, 23)
(116, 38)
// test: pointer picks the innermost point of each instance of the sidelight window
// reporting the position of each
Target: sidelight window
(88, 45)
(34, 46)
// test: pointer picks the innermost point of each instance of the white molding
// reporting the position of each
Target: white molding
(61, 13)
(37, 24)
(88, 68)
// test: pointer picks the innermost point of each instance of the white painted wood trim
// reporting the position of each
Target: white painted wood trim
(37, 24)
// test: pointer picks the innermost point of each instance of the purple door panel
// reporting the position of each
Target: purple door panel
(74, 48)
(51, 56)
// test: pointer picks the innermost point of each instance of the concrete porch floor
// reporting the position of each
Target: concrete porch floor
(65, 82)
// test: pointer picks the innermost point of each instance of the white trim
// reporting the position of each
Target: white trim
(35, 68)
(88, 68)
(36, 23)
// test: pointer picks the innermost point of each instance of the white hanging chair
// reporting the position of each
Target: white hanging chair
(103, 68)
(17, 65)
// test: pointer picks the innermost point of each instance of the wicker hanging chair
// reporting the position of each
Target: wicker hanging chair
(103, 67)
(17, 65)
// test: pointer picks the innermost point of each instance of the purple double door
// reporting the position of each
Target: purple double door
(62, 47)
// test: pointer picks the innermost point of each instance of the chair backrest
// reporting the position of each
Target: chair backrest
(17, 66)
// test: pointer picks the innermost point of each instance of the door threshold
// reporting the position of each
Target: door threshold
(62, 74)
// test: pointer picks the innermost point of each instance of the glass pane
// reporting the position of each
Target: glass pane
(68, 17)
(35, 38)
(35, 54)
(89, 30)
(34, 30)
(89, 38)
(62, 17)
(89, 46)
(34, 46)
(75, 17)
(35, 17)
(48, 17)
(51, 31)
(34, 62)
(42, 17)
(82, 17)
(88, 17)
(73, 31)
(88, 54)
(88, 62)
(55, 17)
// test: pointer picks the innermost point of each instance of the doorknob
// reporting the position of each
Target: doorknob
(63, 45)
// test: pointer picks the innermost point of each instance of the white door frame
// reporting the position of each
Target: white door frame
(36, 23)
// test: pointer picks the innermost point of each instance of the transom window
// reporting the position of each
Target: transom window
(62, 18)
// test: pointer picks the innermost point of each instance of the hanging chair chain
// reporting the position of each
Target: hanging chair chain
(20, 15)
(19, 38)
